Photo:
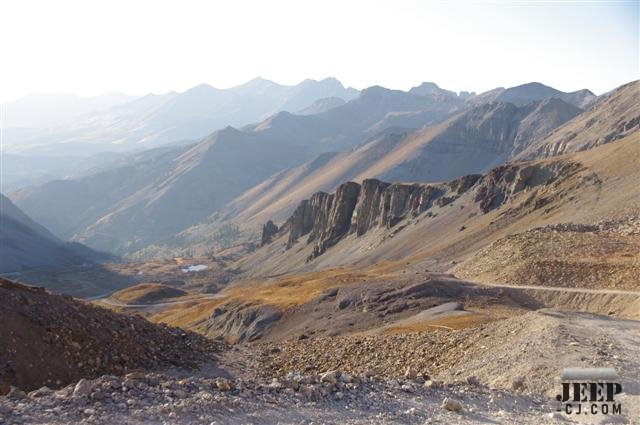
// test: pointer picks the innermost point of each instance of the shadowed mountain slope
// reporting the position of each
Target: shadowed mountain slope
(26, 244)
(472, 142)
(64, 206)
(178, 187)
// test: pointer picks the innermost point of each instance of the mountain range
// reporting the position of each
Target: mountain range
(152, 120)
(193, 181)
(162, 201)
(472, 141)
(43, 110)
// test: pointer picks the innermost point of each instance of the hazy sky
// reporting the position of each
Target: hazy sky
(89, 47)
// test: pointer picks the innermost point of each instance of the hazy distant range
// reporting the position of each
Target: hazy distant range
(49, 136)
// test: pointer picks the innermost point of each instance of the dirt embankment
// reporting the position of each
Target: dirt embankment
(52, 340)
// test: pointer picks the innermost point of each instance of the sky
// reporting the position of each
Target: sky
(90, 47)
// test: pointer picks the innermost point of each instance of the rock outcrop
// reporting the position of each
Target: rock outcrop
(241, 321)
(337, 222)
(501, 183)
(324, 217)
(308, 212)
(268, 230)
(357, 209)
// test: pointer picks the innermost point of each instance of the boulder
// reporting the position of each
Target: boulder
(83, 388)
(223, 384)
(41, 392)
(330, 377)
(452, 405)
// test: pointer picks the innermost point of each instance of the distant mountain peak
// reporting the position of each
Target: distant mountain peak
(427, 85)
(257, 83)
(201, 88)
(428, 88)
(534, 91)
(532, 84)
(374, 91)
(259, 80)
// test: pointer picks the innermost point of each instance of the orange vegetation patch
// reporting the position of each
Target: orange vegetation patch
(187, 315)
(290, 291)
(283, 293)
(146, 293)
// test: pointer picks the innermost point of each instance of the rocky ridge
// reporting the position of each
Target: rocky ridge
(357, 208)
(613, 117)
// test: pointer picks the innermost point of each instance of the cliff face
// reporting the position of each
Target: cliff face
(353, 208)
(501, 183)
(335, 224)
(268, 230)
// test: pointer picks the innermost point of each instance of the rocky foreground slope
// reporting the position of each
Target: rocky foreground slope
(331, 398)
(53, 340)
(496, 373)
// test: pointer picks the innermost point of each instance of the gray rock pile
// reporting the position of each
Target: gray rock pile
(333, 397)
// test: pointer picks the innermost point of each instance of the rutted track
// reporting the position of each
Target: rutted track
(562, 289)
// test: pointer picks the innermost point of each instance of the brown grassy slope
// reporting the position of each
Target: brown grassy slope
(605, 186)
(282, 293)
(146, 293)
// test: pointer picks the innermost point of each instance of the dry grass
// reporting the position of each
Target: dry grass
(150, 292)
(186, 315)
(291, 291)
(283, 293)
